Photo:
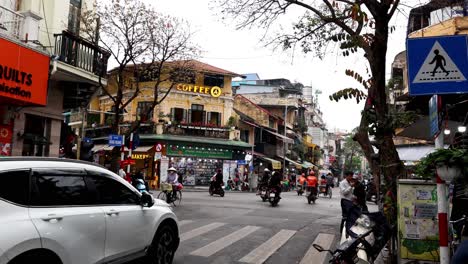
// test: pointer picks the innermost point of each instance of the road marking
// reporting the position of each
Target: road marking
(184, 222)
(265, 250)
(199, 231)
(224, 242)
(312, 255)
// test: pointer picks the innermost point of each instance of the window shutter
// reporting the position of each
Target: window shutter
(189, 115)
(184, 115)
(172, 114)
(204, 117)
(219, 120)
(209, 117)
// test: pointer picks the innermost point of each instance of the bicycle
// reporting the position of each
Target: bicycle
(457, 236)
(167, 194)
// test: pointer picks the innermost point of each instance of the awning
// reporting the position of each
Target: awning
(298, 165)
(250, 123)
(414, 153)
(143, 149)
(308, 165)
(97, 148)
(286, 139)
(274, 163)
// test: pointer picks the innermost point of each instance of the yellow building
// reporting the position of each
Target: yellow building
(190, 130)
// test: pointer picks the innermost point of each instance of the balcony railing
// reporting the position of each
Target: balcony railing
(11, 22)
(81, 53)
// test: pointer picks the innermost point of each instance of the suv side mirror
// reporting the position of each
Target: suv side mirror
(146, 199)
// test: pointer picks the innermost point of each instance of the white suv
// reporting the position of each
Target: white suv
(65, 211)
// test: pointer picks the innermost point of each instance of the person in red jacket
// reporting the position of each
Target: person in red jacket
(312, 182)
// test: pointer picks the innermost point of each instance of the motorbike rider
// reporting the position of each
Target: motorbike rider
(218, 179)
(312, 182)
(264, 179)
(330, 180)
(172, 178)
(302, 180)
(275, 182)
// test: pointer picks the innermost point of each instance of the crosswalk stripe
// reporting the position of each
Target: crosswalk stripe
(199, 231)
(265, 250)
(224, 242)
(312, 255)
(184, 222)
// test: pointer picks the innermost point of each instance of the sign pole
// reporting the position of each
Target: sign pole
(442, 205)
(122, 151)
(130, 147)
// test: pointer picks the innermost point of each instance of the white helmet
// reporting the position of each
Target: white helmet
(266, 170)
(172, 169)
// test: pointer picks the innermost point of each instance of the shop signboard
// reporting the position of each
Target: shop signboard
(24, 74)
(184, 151)
(214, 91)
(434, 115)
(417, 220)
(5, 140)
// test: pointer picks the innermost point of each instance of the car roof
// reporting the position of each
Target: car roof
(8, 163)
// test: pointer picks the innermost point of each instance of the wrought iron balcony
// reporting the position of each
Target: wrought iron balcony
(11, 22)
(79, 52)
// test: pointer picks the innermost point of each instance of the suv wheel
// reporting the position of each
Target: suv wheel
(163, 247)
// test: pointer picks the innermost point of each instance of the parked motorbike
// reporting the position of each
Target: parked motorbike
(311, 194)
(273, 197)
(365, 239)
(263, 192)
(216, 190)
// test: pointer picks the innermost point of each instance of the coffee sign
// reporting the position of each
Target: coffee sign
(214, 91)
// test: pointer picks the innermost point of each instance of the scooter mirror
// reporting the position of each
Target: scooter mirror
(318, 248)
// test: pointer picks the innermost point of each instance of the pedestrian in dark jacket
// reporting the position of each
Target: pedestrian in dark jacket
(360, 194)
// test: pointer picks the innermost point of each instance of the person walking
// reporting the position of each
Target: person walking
(346, 192)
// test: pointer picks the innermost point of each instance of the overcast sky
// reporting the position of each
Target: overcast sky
(242, 52)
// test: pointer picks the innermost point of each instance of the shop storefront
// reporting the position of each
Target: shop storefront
(24, 74)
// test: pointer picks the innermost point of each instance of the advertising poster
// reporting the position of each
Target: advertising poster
(5, 140)
(417, 220)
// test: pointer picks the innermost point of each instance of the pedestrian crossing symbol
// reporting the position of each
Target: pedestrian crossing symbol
(438, 67)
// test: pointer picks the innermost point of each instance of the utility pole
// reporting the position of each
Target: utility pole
(284, 140)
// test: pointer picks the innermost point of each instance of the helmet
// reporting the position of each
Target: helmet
(266, 170)
(172, 169)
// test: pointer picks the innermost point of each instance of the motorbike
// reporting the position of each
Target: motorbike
(273, 197)
(371, 191)
(364, 240)
(325, 191)
(300, 189)
(311, 194)
(263, 192)
(216, 190)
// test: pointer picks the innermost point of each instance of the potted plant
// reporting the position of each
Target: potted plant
(448, 163)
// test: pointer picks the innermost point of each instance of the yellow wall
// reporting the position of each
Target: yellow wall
(176, 98)
(249, 109)
(454, 26)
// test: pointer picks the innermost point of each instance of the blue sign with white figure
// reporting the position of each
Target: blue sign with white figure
(437, 65)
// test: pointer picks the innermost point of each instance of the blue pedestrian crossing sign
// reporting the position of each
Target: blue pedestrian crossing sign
(437, 65)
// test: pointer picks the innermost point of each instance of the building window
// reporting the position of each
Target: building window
(142, 111)
(214, 118)
(214, 80)
(197, 115)
(271, 122)
(244, 136)
(178, 115)
(74, 16)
